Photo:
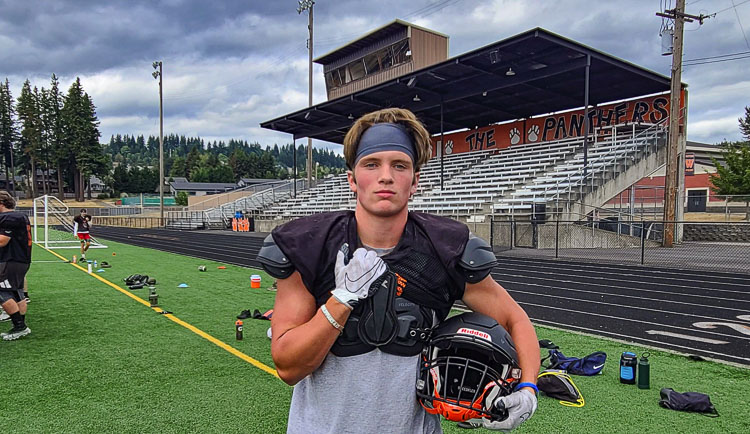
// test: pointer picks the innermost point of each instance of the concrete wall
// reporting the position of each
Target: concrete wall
(204, 202)
(612, 187)
(738, 233)
(269, 225)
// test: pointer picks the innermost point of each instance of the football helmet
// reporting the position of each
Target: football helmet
(466, 357)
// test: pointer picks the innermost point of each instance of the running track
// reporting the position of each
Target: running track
(696, 313)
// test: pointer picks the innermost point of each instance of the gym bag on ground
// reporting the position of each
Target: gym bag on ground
(589, 365)
(688, 401)
(558, 384)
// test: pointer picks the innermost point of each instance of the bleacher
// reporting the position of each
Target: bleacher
(510, 180)
(334, 193)
(493, 177)
(328, 195)
(568, 180)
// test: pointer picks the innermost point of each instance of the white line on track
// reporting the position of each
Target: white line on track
(627, 339)
(629, 296)
(623, 305)
(628, 271)
(556, 278)
(630, 320)
(689, 337)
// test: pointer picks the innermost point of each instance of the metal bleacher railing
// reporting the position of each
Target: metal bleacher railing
(571, 180)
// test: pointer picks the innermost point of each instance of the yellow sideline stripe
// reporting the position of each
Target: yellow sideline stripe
(174, 319)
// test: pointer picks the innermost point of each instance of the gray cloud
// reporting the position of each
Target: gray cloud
(229, 65)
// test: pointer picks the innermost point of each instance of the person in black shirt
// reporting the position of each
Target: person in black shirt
(15, 258)
(81, 229)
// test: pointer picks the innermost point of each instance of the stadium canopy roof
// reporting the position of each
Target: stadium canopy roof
(476, 88)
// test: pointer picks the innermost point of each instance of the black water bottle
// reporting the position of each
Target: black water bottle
(238, 329)
(644, 374)
(628, 362)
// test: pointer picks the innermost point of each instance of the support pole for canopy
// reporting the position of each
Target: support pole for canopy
(442, 143)
(586, 118)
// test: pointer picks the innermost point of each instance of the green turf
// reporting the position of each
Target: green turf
(97, 361)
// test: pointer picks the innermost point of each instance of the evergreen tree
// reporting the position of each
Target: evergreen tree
(178, 168)
(8, 133)
(58, 148)
(31, 129)
(191, 162)
(733, 177)
(81, 133)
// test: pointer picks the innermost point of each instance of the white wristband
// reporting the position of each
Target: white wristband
(331, 319)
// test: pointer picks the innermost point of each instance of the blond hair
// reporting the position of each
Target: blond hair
(404, 117)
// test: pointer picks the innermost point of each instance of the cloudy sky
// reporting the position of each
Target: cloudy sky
(229, 65)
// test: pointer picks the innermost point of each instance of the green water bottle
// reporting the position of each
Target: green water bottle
(643, 372)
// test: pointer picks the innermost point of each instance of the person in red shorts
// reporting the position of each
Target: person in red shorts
(82, 229)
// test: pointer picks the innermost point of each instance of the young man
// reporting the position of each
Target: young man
(15, 258)
(81, 229)
(330, 315)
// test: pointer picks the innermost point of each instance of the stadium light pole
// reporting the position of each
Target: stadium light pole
(307, 5)
(158, 75)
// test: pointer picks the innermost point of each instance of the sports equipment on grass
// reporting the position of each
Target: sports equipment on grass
(53, 225)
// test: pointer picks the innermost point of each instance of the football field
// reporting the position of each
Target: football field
(99, 359)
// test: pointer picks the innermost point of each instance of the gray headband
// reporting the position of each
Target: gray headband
(385, 137)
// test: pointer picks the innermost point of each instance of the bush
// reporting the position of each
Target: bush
(102, 196)
(181, 198)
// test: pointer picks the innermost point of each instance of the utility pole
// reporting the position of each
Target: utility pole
(673, 146)
(308, 6)
(158, 74)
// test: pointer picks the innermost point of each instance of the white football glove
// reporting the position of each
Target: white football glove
(520, 404)
(354, 279)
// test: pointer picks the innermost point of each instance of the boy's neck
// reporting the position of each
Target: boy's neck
(380, 232)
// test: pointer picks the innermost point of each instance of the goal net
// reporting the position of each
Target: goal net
(53, 225)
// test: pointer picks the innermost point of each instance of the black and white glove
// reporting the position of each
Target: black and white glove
(520, 406)
(354, 278)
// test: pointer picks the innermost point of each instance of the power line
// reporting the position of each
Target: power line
(716, 61)
(731, 7)
(717, 57)
(740, 22)
(419, 13)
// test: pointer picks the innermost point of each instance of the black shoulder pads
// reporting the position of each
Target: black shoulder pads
(273, 260)
(477, 260)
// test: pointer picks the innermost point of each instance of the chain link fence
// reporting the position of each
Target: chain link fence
(715, 246)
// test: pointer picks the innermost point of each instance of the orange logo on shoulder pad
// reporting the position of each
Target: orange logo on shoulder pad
(400, 285)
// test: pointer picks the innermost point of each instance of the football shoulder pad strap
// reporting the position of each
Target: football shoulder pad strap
(273, 260)
(477, 260)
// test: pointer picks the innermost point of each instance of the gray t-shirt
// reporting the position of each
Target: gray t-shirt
(373, 392)
(368, 393)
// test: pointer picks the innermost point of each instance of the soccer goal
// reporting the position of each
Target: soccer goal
(53, 225)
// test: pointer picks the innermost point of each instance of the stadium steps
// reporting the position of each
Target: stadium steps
(612, 166)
